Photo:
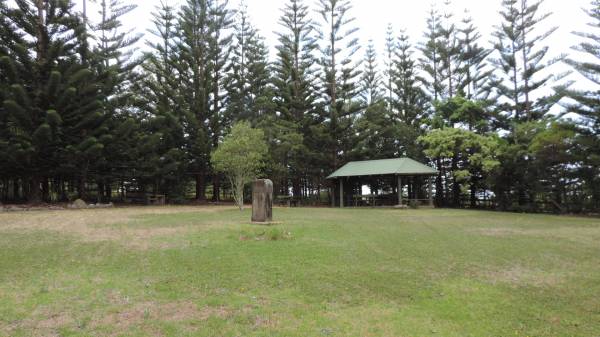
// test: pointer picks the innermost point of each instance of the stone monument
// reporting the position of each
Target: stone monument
(262, 201)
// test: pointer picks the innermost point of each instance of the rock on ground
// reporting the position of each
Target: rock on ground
(78, 204)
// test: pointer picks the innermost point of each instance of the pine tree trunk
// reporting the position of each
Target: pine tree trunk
(122, 185)
(11, 190)
(297, 191)
(558, 195)
(216, 188)
(62, 191)
(595, 188)
(525, 60)
(100, 191)
(82, 182)
(45, 189)
(34, 195)
(521, 195)
(216, 84)
(200, 187)
(5, 187)
(18, 189)
(81, 188)
(436, 94)
(333, 89)
(473, 191)
(469, 82)
(85, 13)
(450, 84)
(216, 178)
(108, 191)
(455, 184)
(515, 87)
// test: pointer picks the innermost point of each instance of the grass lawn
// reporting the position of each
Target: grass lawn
(185, 271)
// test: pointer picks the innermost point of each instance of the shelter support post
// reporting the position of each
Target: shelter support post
(430, 181)
(332, 195)
(399, 190)
(341, 192)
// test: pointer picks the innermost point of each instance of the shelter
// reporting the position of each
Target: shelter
(388, 179)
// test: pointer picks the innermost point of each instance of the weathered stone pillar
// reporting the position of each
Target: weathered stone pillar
(262, 200)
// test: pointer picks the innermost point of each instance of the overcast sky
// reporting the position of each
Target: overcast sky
(373, 16)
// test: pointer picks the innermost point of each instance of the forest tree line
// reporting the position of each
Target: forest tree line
(82, 115)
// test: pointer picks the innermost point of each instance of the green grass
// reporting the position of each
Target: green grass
(319, 272)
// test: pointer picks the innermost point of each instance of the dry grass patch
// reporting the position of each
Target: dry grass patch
(41, 324)
(499, 232)
(265, 322)
(49, 324)
(103, 224)
(587, 235)
(139, 313)
(519, 276)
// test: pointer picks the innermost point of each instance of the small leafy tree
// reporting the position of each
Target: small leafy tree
(240, 157)
(464, 159)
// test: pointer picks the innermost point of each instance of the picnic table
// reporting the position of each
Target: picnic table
(286, 200)
(145, 198)
(361, 199)
(156, 199)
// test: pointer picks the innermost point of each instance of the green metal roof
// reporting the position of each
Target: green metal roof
(401, 166)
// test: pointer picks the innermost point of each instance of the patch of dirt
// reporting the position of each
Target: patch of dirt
(261, 322)
(115, 297)
(99, 224)
(45, 324)
(56, 321)
(519, 275)
(167, 312)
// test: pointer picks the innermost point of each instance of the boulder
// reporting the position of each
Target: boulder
(78, 204)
